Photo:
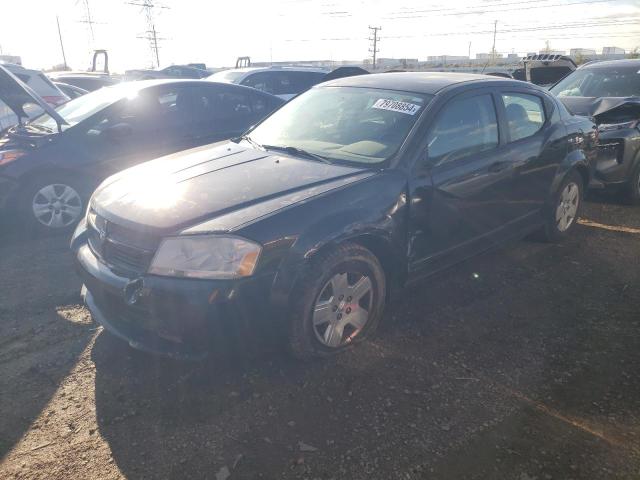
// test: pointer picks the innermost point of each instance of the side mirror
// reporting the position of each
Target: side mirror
(117, 131)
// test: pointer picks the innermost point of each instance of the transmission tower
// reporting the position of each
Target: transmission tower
(148, 8)
(374, 39)
(88, 20)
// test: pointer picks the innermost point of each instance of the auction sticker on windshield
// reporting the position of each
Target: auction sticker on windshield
(396, 106)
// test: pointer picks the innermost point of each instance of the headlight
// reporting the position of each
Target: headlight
(7, 156)
(606, 127)
(205, 256)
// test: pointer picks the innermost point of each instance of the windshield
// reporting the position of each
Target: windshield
(362, 125)
(600, 82)
(83, 107)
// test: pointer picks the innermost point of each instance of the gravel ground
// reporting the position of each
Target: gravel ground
(520, 364)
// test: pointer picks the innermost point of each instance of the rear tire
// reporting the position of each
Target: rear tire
(338, 303)
(52, 203)
(562, 216)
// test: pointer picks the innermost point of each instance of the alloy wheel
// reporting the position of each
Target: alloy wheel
(57, 205)
(342, 309)
(567, 208)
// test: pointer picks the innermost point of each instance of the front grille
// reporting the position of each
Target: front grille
(124, 250)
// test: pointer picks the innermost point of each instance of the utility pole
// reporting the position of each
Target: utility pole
(493, 49)
(374, 43)
(469, 54)
(148, 8)
(155, 44)
(64, 57)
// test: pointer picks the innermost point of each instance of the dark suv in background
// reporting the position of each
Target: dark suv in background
(610, 92)
(354, 187)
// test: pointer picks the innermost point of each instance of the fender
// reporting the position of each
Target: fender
(377, 221)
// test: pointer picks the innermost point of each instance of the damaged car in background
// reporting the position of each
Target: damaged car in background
(544, 69)
(609, 91)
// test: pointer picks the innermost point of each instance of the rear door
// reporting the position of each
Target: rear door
(461, 189)
(535, 144)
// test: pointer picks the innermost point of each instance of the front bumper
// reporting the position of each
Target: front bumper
(179, 318)
(617, 154)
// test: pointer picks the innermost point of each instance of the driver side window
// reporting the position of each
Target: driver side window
(464, 127)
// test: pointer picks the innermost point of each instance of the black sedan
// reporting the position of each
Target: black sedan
(610, 92)
(49, 166)
(357, 186)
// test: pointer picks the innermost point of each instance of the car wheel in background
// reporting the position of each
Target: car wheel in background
(339, 302)
(632, 189)
(562, 217)
(52, 203)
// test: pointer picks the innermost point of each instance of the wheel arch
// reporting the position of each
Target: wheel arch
(574, 161)
(377, 243)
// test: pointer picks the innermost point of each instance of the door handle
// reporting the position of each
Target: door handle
(499, 166)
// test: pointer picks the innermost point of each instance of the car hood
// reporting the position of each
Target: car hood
(205, 183)
(16, 94)
(594, 106)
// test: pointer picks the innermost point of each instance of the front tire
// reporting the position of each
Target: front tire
(52, 203)
(562, 217)
(338, 303)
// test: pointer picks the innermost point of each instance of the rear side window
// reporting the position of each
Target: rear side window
(214, 104)
(261, 81)
(464, 127)
(301, 81)
(283, 83)
(525, 114)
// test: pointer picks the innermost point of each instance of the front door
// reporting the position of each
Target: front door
(460, 193)
(156, 122)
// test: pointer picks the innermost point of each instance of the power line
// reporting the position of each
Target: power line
(458, 12)
(630, 21)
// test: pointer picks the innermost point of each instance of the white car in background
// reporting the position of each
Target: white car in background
(38, 82)
(283, 82)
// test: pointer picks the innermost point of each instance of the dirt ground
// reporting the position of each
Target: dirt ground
(520, 364)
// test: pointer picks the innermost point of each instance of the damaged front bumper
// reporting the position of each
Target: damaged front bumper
(618, 154)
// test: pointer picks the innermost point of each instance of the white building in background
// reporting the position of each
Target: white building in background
(447, 58)
(613, 51)
(11, 59)
(584, 52)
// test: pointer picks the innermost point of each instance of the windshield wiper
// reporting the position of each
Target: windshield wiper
(298, 151)
(250, 140)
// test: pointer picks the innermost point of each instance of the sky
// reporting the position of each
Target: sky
(216, 32)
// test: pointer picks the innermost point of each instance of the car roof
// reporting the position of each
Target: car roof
(275, 69)
(416, 82)
(131, 87)
(622, 63)
(72, 73)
